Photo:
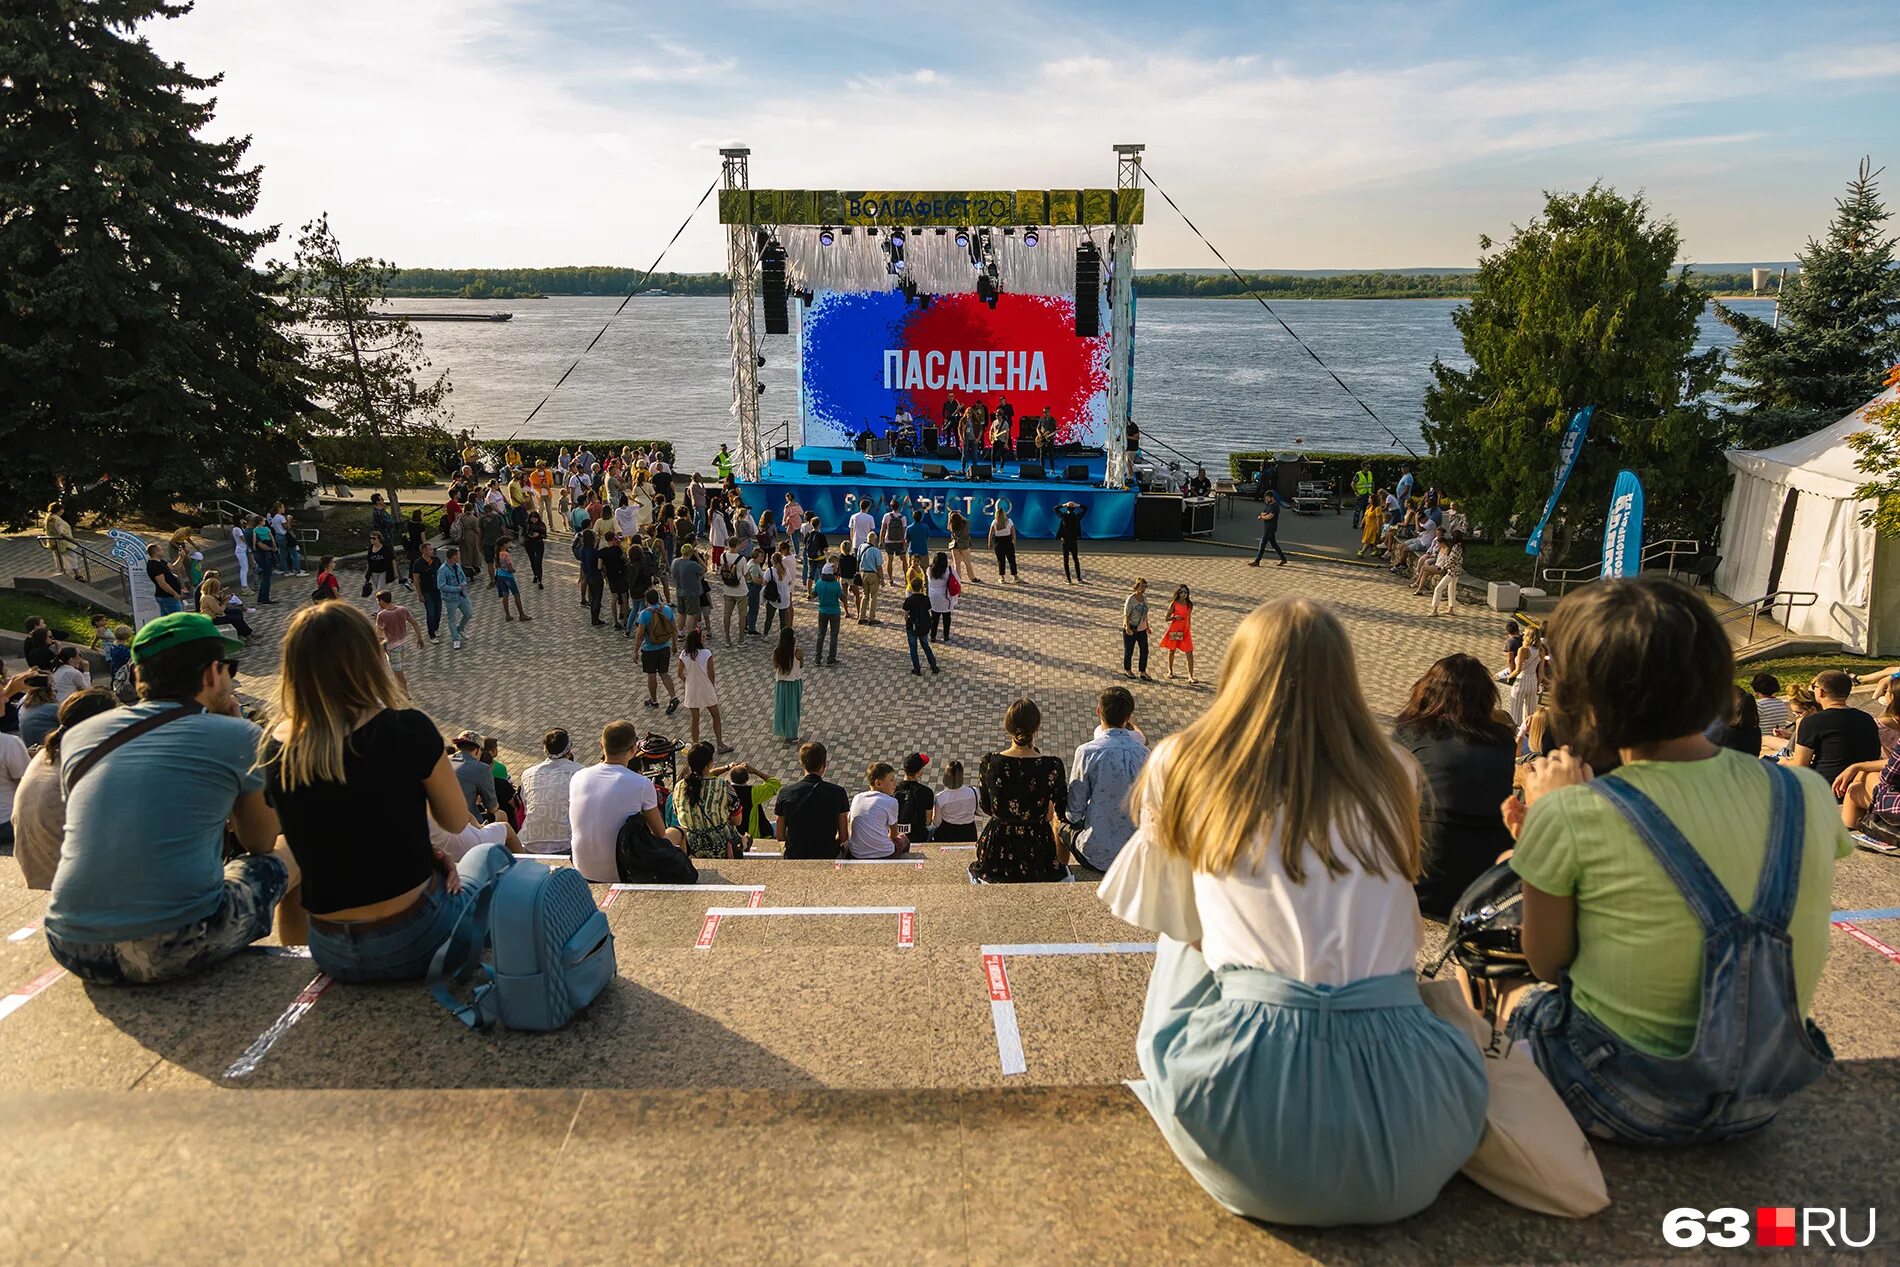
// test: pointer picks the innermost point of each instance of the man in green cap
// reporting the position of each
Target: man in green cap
(142, 893)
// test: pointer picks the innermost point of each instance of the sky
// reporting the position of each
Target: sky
(543, 132)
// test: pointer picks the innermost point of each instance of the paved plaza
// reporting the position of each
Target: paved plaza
(1056, 643)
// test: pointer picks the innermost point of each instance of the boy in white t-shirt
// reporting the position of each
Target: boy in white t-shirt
(862, 528)
(875, 831)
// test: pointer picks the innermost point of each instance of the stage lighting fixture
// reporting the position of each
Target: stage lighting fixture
(897, 265)
(1029, 237)
(941, 232)
(825, 237)
(871, 232)
(963, 238)
(761, 362)
(1009, 231)
(897, 237)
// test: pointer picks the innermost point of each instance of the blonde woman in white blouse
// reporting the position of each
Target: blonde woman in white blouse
(1290, 1062)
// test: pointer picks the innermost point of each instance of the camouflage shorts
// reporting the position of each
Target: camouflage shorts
(253, 885)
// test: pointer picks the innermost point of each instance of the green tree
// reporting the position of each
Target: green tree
(1839, 328)
(136, 339)
(367, 368)
(1877, 455)
(1584, 306)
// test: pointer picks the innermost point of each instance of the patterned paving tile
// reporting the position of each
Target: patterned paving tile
(1059, 644)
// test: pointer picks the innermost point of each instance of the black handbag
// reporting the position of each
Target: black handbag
(640, 858)
(1485, 933)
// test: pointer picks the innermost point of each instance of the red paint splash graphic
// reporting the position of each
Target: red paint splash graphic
(1077, 368)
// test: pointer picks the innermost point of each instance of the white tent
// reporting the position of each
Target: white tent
(1793, 523)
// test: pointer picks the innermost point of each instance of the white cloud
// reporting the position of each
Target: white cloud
(431, 145)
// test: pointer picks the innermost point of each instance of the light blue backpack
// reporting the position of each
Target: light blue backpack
(552, 951)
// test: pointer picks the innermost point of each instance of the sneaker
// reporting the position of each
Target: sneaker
(653, 703)
(916, 672)
(672, 706)
(455, 644)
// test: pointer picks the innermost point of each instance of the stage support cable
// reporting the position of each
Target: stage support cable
(636, 289)
(1121, 323)
(742, 265)
(1256, 296)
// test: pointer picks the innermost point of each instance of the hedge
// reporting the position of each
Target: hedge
(372, 477)
(1337, 467)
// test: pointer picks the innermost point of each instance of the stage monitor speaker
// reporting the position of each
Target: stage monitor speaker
(1088, 282)
(982, 471)
(818, 466)
(1079, 474)
(1025, 450)
(772, 289)
(783, 453)
(1031, 471)
(932, 471)
(853, 467)
(1158, 517)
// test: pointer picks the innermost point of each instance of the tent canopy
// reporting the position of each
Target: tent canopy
(1817, 463)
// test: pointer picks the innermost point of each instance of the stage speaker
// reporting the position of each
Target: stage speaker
(772, 289)
(934, 472)
(1031, 471)
(818, 466)
(783, 453)
(853, 467)
(981, 471)
(1079, 474)
(1158, 517)
(930, 439)
(1088, 284)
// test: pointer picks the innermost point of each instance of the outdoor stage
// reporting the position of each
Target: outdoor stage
(1108, 513)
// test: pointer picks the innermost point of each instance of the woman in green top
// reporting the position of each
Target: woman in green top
(1683, 901)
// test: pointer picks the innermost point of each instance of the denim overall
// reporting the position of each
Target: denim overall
(1752, 1048)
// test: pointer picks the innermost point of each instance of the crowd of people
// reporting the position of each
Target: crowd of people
(1284, 844)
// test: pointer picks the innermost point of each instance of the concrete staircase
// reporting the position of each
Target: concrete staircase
(782, 1086)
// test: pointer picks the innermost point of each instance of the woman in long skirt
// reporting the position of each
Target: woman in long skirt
(788, 687)
(1290, 1062)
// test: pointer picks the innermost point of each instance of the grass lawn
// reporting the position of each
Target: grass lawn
(1800, 669)
(345, 527)
(70, 623)
(1500, 562)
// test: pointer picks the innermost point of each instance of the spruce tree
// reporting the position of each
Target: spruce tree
(1584, 306)
(1838, 334)
(137, 342)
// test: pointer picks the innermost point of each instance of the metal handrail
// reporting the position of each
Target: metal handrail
(88, 555)
(222, 508)
(1756, 608)
(1671, 549)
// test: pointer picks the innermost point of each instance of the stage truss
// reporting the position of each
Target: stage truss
(752, 216)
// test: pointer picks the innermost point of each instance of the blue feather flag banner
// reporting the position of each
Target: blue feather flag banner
(1567, 454)
(1623, 530)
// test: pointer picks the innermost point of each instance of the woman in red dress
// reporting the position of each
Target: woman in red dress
(1180, 635)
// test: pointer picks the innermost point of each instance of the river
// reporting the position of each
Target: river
(1211, 375)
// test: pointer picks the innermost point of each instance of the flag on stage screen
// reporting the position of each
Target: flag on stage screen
(1567, 454)
(1623, 530)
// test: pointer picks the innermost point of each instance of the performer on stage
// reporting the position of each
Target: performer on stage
(1005, 413)
(972, 422)
(999, 442)
(952, 414)
(1046, 442)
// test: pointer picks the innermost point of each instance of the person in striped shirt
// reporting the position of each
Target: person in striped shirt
(1769, 706)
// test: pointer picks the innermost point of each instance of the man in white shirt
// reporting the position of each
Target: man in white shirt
(627, 519)
(875, 830)
(13, 763)
(601, 798)
(862, 527)
(546, 827)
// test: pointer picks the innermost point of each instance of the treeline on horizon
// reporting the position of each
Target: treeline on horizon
(535, 283)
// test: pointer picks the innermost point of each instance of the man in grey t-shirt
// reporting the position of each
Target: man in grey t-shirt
(476, 776)
(689, 587)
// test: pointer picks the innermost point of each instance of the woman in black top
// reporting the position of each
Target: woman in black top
(356, 776)
(1020, 789)
(1453, 728)
(534, 538)
(587, 553)
(917, 623)
(415, 530)
(1741, 729)
(379, 564)
(165, 586)
(39, 647)
(613, 571)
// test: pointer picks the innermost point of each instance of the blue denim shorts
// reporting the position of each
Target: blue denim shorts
(402, 951)
(253, 885)
(505, 584)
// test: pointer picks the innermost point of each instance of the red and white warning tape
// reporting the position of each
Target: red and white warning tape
(906, 918)
(21, 934)
(22, 996)
(1867, 939)
(1009, 1036)
(244, 1066)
